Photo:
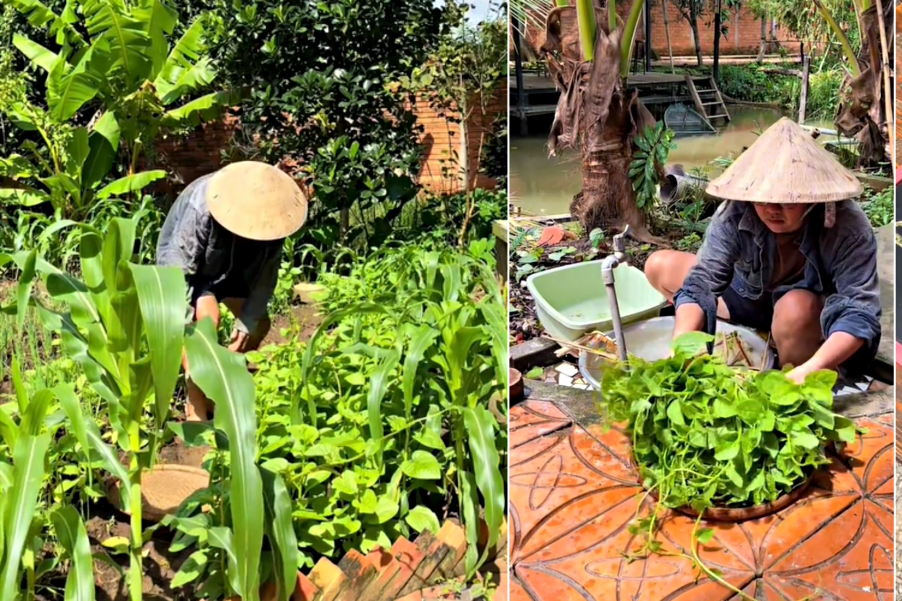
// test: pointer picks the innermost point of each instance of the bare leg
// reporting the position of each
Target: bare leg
(199, 408)
(666, 270)
(797, 326)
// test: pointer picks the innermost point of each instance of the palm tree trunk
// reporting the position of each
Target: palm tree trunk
(763, 50)
(607, 199)
(693, 23)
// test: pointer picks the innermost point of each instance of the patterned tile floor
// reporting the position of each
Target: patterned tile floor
(573, 495)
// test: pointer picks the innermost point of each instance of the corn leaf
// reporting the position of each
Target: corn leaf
(379, 383)
(21, 506)
(280, 531)
(223, 377)
(161, 295)
(72, 535)
(421, 340)
(480, 426)
(88, 434)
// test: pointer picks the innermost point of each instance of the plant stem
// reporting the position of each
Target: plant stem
(585, 16)
(135, 571)
(843, 40)
(693, 544)
(626, 40)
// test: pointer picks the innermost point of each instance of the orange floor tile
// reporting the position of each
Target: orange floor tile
(573, 495)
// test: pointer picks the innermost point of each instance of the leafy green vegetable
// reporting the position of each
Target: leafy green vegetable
(704, 433)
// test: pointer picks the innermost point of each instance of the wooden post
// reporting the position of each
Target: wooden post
(888, 91)
(647, 36)
(518, 71)
(804, 97)
(667, 34)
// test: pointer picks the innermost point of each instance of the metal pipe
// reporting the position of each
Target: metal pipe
(608, 264)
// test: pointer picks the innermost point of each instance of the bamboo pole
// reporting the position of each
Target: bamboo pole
(888, 92)
(804, 95)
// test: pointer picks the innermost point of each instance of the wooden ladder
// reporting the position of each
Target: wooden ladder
(708, 101)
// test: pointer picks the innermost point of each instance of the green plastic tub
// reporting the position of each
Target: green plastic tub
(572, 300)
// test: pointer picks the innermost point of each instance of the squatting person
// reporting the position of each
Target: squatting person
(225, 232)
(789, 253)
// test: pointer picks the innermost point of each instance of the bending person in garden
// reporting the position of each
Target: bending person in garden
(789, 253)
(225, 232)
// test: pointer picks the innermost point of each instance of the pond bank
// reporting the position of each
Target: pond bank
(540, 185)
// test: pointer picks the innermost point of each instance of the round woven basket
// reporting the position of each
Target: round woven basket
(163, 489)
(739, 514)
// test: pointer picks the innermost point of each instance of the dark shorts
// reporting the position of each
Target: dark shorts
(759, 314)
(223, 290)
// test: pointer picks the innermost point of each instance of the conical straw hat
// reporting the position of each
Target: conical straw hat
(256, 201)
(785, 165)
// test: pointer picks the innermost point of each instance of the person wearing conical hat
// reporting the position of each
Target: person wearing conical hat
(226, 231)
(790, 253)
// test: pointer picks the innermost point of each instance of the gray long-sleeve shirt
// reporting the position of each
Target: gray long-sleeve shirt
(840, 263)
(209, 255)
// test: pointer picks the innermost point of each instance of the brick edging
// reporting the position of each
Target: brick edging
(403, 572)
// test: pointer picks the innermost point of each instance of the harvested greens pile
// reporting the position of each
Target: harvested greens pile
(707, 434)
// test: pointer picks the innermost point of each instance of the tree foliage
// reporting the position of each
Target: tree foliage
(319, 92)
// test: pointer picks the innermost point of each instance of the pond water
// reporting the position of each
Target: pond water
(545, 186)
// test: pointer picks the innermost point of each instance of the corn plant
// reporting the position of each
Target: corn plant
(248, 501)
(124, 326)
(21, 514)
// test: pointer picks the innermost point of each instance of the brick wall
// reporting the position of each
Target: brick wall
(743, 36)
(441, 138)
(186, 159)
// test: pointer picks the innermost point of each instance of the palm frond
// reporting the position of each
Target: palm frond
(529, 13)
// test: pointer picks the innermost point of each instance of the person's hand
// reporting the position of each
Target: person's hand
(798, 374)
(238, 341)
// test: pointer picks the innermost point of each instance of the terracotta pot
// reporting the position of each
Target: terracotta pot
(268, 591)
(740, 514)
(515, 379)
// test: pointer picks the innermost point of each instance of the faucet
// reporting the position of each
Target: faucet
(608, 264)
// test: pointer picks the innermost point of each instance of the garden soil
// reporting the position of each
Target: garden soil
(160, 566)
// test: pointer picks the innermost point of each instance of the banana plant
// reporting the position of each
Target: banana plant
(866, 80)
(124, 71)
(588, 51)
